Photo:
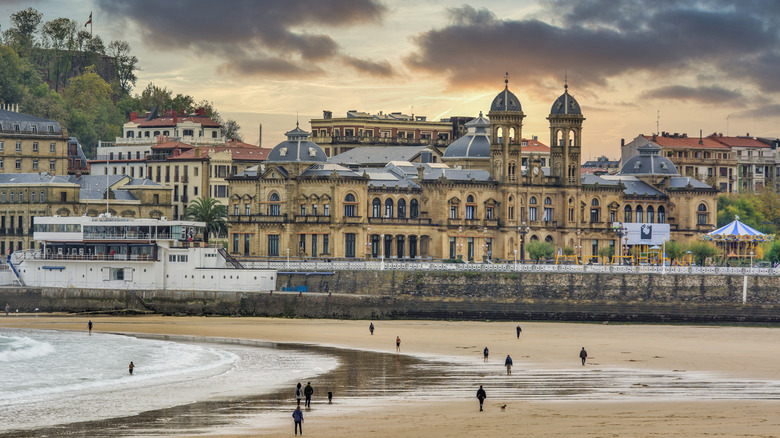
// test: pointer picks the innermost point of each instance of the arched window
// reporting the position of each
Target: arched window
(388, 207)
(661, 215)
(273, 206)
(401, 208)
(510, 209)
(650, 214)
(414, 209)
(702, 215)
(376, 208)
(471, 207)
(349, 205)
(640, 217)
(594, 202)
(595, 211)
(532, 201)
(627, 213)
(548, 239)
(547, 201)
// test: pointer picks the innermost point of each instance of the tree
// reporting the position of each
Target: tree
(607, 252)
(60, 35)
(567, 250)
(125, 64)
(230, 129)
(701, 251)
(210, 211)
(674, 250)
(539, 250)
(773, 255)
(11, 66)
(21, 36)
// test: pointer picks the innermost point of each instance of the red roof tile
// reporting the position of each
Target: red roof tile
(535, 146)
(742, 142)
(685, 142)
(242, 152)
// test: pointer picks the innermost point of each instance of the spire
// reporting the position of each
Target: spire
(506, 79)
(565, 81)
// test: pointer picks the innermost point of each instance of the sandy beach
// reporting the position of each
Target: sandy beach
(731, 354)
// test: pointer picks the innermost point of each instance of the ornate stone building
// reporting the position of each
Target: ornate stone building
(479, 202)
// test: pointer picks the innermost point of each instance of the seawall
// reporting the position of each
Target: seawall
(446, 295)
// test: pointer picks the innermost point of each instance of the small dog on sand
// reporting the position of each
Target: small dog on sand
(503, 408)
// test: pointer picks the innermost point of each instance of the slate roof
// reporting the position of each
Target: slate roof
(25, 122)
(679, 182)
(327, 169)
(365, 156)
(33, 178)
(565, 104)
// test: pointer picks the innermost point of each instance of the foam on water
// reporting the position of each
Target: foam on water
(52, 377)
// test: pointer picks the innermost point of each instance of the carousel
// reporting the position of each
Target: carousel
(737, 240)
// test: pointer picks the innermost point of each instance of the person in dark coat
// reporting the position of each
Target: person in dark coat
(371, 328)
(508, 363)
(298, 419)
(481, 396)
(485, 354)
(307, 392)
(298, 393)
(519, 330)
(583, 355)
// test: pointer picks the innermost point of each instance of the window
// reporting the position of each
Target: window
(235, 209)
(35, 164)
(52, 165)
(2, 164)
(532, 213)
(303, 209)
(349, 245)
(18, 146)
(21, 199)
(35, 146)
(63, 197)
(702, 215)
(548, 213)
(661, 215)
(235, 242)
(43, 198)
(640, 217)
(454, 211)
(650, 214)
(2, 145)
(13, 197)
(594, 211)
(402, 208)
(18, 164)
(53, 148)
(627, 212)
(273, 208)
(349, 206)
(452, 248)
(302, 244)
(246, 209)
(414, 209)
(220, 191)
(388, 208)
(489, 213)
(325, 242)
(547, 201)
(326, 209)
(470, 207)
(32, 197)
(273, 245)
(594, 247)
(376, 208)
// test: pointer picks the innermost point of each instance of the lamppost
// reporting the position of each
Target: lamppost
(515, 259)
(368, 242)
(458, 244)
(288, 258)
(621, 231)
(523, 230)
(485, 253)
(382, 251)
(579, 244)
(751, 259)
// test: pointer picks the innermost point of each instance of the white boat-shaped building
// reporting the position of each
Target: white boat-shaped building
(130, 254)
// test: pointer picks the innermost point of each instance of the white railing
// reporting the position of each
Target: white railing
(342, 265)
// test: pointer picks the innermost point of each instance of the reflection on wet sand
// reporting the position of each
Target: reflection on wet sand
(368, 377)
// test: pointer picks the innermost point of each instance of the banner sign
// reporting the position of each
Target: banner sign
(645, 234)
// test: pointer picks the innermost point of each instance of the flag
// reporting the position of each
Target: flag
(88, 21)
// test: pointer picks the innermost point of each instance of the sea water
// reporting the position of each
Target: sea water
(57, 377)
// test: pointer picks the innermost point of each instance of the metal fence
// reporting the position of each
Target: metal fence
(341, 265)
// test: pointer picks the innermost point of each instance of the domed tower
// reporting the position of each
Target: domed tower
(506, 131)
(472, 151)
(565, 140)
(297, 153)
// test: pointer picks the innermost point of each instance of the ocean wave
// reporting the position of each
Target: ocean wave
(13, 349)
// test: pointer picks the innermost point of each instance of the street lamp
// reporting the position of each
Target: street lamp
(579, 244)
(515, 259)
(368, 242)
(621, 231)
(751, 259)
(288, 258)
(523, 230)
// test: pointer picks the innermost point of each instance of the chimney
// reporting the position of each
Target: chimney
(197, 152)
(260, 136)
(327, 114)
(622, 142)
(175, 118)
(133, 116)
(655, 138)
(701, 141)
(420, 172)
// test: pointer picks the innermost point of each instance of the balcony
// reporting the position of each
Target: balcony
(454, 221)
(311, 219)
(353, 219)
(9, 231)
(398, 221)
(491, 223)
(185, 179)
(257, 218)
(185, 199)
(384, 141)
(20, 231)
(2, 231)
(473, 222)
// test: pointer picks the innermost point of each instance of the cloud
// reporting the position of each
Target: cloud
(706, 95)
(381, 69)
(762, 112)
(602, 40)
(269, 37)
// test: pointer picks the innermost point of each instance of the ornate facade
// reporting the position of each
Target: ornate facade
(479, 202)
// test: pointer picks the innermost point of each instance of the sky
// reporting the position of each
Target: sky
(635, 67)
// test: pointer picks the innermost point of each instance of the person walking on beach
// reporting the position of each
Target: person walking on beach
(89, 326)
(298, 393)
(371, 328)
(508, 363)
(481, 396)
(307, 392)
(131, 367)
(298, 419)
(7, 309)
(519, 330)
(485, 354)
(397, 343)
(583, 355)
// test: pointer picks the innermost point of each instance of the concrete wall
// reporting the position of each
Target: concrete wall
(462, 295)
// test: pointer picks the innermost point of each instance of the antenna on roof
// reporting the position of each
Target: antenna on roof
(658, 122)
(565, 79)
(506, 78)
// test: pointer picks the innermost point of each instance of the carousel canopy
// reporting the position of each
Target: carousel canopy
(737, 231)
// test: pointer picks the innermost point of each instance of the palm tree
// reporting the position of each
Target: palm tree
(210, 211)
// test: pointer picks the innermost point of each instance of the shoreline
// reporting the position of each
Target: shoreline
(738, 353)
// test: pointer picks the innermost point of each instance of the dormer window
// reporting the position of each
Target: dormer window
(283, 152)
(312, 152)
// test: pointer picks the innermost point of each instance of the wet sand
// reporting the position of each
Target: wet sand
(640, 380)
